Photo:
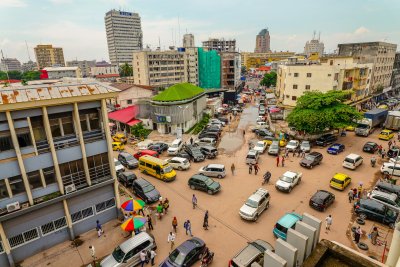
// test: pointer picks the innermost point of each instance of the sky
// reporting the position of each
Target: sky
(78, 25)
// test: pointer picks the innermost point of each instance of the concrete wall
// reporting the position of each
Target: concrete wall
(135, 94)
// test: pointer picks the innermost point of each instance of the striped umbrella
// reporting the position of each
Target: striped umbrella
(133, 204)
(133, 223)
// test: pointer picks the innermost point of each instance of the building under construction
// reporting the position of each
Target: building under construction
(209, 68)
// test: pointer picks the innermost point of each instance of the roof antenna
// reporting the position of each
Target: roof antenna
(27, 50)
(319, 36)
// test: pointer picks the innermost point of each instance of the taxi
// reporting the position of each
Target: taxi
(386, 135)
(340, 181)
(118, 146)
(350, 128)
(119, 137)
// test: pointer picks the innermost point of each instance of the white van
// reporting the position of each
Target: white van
(252, 157)
(390, 200)
(352, 161)
(206, 141)
(175, 147)
(391, 168)
(118, 166)
(179, 163)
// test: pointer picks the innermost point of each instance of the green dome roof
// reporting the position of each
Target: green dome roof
(178, 92)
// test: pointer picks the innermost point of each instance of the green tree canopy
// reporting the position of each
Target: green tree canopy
(31, 75)
(126, 70)
(269, 79)
(317, 112)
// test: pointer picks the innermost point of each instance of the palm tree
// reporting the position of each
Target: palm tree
(126, 70)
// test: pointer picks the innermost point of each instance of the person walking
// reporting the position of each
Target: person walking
(205, 221)
(142, 256)
(141, 211)
(244, 133)
(350, 194)
(233, 169)
(374, 235)
(283, 161)
(188, 227)
(303, 153)
(194, 201)
(191, 140)
(99, 229)
(256, 168)
(383, 153)
(328, 222)
(152, 256)
(93, 254)
(277, 160)
(171, 240)
(166, 205)
(354, 193)
(357, 234)
(359, 191)
(174, 224)
(389, 144)
(160, 209)
(149, 223)
(250, 168)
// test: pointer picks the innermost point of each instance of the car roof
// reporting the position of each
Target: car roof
(386, 131)
(352, 156)
(340, 176)
(289, 219)
(124, 154)
(128, 173)
(370, 143)
(188, 245)
(176, 141)
(256, 196)
(215, 166)
(372, 203)
(247, 254)
(142, 182)
(134, 241)
(200, 177)
(390, 196)
(322, 194)
(290, 174)
(178, 159)
(314, 153)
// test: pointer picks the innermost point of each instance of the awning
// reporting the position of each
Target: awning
(126, 115)
(133, 122)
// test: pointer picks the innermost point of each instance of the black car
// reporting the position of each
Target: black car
(128, 160)
(393, 152)
(186, 254)
(183, 154)
(145, 190)
(326, 139)
(373, 210)
(158, 147)
(195, 153)
(370, 147)
(204, 183)
(321, 200)
(311, 160)
(388, 188)
(223, 119)
(126, 178)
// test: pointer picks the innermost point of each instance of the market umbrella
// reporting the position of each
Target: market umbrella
(133, 204)
(133, 223)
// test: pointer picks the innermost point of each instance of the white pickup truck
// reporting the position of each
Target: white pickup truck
(288, 180)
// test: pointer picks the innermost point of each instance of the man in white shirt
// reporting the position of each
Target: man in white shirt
(152, 256)
(328, 222)
(142, 256)
(171, 239)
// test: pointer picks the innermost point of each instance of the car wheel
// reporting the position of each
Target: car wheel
(209, 192)
(267, 206)
(353, 229)
(256, 217)
(192, 187)
(299, 181)
(219, 176)
(311, 166)
(290, 189)
(360, 221)
(362, 245)
(362, 216)
(180, 168)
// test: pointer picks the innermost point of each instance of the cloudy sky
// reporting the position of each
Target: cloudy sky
(78, 25)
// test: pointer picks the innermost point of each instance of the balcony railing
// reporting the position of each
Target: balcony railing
(78, 179)
(93, 136)
(65, 141)
(100, 174)
(42, 146)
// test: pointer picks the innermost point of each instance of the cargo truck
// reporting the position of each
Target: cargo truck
(373, 118)
(393, 120)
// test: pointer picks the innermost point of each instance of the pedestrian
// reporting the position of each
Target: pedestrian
(383, 153)
(188, 227)
(99, 229)
(152, 256)
(286, 153)
(294, 152)
(303, 153)
(194, 201)
(298, 152)
(166, 205)
(233, 169)
(141, 211)
(256, 168)
(191, 140)
(328, 222)
(149, 223)
(277, 160)
(142, 256)
(283, 161)
(374, 235)
(354, 193)
(250, 168)
(244, 132)
(205, 221)
(174, 223)
(351, 195)
(357, 234)
(389, 144)
(171, 239)
(160, 210)
(126, 216)
(93, 254)
(359, 190)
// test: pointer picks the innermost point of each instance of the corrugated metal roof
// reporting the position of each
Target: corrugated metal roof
(11, 95)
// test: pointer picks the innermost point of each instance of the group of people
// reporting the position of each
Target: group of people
(255, 167)
(357, 193)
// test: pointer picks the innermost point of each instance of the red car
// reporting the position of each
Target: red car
(146, 152)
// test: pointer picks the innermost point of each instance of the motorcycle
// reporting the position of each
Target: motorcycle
(207, 258)
(266, 178)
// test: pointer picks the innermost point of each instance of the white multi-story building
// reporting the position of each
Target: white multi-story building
(63, 72)
(188, 40)
(314, 46)
(84, 65)
(192, 65)
(10, 64)
(124, 35)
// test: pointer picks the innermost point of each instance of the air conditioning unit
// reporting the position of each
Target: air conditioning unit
(70, 188)
(13, 206)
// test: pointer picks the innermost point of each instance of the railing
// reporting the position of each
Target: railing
(65, 141)
(93, 136)
(78, 179)
(100, 174)
(42, 147)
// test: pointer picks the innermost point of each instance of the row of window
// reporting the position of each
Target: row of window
(307, 87)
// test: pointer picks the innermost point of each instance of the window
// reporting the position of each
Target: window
(287, 96)
(1, 247)
(83, 121)
(308, 75)
(129, 101)
(5, 141)
(82, 214)
(329, 75)
(294, 86)
(308, 87)
(102, 206)
(3, 190)
(296, 74)
(294, 97)
(16, 184)
(336, 76)
(23, 238)
(34, 179)
(49, 175)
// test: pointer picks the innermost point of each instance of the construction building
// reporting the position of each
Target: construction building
(220, 45)
(255, 60)
(10, 64)
(314, 46)
(188, 40)
(84, 66)
(263, 42)
(209, 68)
(230, 69)
(49, 56)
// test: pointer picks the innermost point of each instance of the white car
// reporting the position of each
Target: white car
(216, 121)
(213, 170)
(387, 168)
(352, 161)
(118, 166)
(175, 147)
(292, 145)
(255, 205)
(145, 144)
(395, 159)
(179, 163)
(252, 157)
(288, 180)
(261, 123)
(260, 147)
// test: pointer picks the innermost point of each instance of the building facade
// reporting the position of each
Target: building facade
(395, 83)
(191, 58)
(209, 69)
(380, 54)
(57, 169)
(49, 56)
(263, 42)
(132, 94)
(255, 60)
(220, 45)
(10, 64)
(29, 66)
(314, 46)
(188, 40)
(124, 35)
(84, 66)
(230, 69)
(63, 72)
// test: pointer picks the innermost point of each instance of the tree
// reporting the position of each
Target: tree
(15, 75)
(31, 75)
(269, 79)
(126, 70)
(317, 112)
(139, 131)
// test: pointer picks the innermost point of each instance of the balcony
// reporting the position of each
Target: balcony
(100, 174)
(65, 141)
(93, 136)
(78, 179)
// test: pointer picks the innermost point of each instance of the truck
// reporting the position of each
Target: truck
(373, 118)
(393, 120)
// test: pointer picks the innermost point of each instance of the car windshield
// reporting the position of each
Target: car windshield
(309, 157)
(148, 188)
(286, 179)
(251, 203)
(281, 228)
(292, 143)
(118, 254)
(117, 163)
(349, 160)
(273, 146)
(362, 126)
(185, 161)
(335, 147)
(305, 144)
(130, 157)
(337, 181)
(251, 156)
(174, 145)
(209, 182)
(167, 169)
(177, 257)
(260, 145)
(384, 133)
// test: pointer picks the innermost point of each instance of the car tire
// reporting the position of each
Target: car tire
(353, 229)
(362, 216)
(193, 187)
(219, 176)
(311, 166)
(360, 221)
(299, 181)
(290, 189)
(209, 192)
(362, 246)
(256, 217)
(267, 206)
(180, 168)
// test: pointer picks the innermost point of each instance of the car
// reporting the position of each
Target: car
(260, 147)
(269, 139)
(179, 163)
(292, 145)
(286, 222)
(252, 253)
(390, 200)
(387, 187)
(255, 205)
(209, 151)
(184, 155)
(305, 146)
(274, 148)
(175, 147)
(394, 151)
(326, 139)
(262, 132)
(144, 144)
(213, 170)
(252, 157)
(350, 128)
(159, 147)
(145, 190)
(288, 180)
(335, 149)
(312, 159)
(128, 160)
(207, 134)
(126, 178)
(118, 166)
(395, 160)
(217, 121)
(119, 137)
(147, 152)
(206, 141)
(386, 135)
(321, 200)
(370, 147)
(352, 161)
(373, 210)
(186, 254)
(391, 168)
(223, 119)
(117, 146)
(204, 183)
(195, 153)
(340, 181)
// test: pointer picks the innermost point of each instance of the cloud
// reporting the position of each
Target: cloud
(12, 3)
(360, 31)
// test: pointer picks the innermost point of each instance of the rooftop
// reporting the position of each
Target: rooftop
(179, 92)
(60, 68)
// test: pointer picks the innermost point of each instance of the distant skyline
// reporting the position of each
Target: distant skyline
(78, 25)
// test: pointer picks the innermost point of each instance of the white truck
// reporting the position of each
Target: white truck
(393, 120)
(364, 127)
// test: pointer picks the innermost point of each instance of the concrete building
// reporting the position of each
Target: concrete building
(124, 35)
(132, 94)
(256, 60)
(63, 72)
(159, 68)
(188, 40)
(191, 58)
(49, 56)
(28, 66)
(10, 64)
(230, 70)
(380, 54)
(96, 72)
(395, 82)
(263, 42)
(84, 66)
(314, 46)
(336, 73)
(57, 168)
(209, 69)
(220, 45)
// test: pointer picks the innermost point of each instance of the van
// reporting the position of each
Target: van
(146, 152)
(388, 187)
(175, 147)
(206, 141)
(156, 167)
(352, 161)
(128, 253)
(389, 200)
(209, 151)
(252, 157)
(213, 170)
(179, 163)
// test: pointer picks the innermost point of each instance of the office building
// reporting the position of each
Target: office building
(209, 68)
(188, 40)
(395, 82)
(220, 45)
(263, 40)
(314, 46)
(124, 35)
(10, 64)
(191, 58)
(84, 66)
(63, 72)
(255, 60)
(230, 70)
(57, 168)
(28, 66)
(49, 56)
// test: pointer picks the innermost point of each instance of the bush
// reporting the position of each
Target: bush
(200, 125)
(139, 131)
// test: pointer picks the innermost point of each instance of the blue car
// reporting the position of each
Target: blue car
(335, 149)
(186, 254)
(287, 221)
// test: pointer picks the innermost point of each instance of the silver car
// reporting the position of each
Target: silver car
(274, 148)
(305, 146)
(213, 170)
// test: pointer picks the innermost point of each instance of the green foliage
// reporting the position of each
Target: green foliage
(317, 112)
(126, 70)
(198, 127)
(269, 79)
(17, 75)
(31, 75)
(139, 131)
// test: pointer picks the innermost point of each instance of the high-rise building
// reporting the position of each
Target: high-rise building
(230, 69)
(395, 82)
(10, 64)
(49, 56)
(220, 45)
(314, 46)
(28, 66)
(124, 35)
(263, 40)
(191, 58)
(209, 69)
(84, 65)
(188, 40)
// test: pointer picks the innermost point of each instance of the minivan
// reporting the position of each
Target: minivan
(128, 253)
(388, 187)
(373, 210)
(392, 201)
(252, 157)
(213, 170)
(179, 163)
(209, 151)
(175, 147)
(352, 161)
(391, 168)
